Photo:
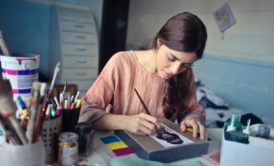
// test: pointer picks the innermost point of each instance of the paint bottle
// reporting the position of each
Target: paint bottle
(264, 131)
(235, 118)
(68, 148)
(237, 136)
(233, 124)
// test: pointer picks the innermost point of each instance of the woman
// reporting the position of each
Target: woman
(163, 77)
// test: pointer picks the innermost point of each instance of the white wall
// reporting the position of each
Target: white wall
(251, 37)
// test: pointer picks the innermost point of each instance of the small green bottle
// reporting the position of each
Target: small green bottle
(237, 126)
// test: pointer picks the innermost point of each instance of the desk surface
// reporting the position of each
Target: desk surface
(100, 157)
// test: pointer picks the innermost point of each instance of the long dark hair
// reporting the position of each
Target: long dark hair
(187, 33)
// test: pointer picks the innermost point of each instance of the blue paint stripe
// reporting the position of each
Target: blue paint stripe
(21, 91)
(27, 72)
(24, 90)
(110, 139)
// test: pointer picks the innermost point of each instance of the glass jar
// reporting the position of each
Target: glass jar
(68, 148)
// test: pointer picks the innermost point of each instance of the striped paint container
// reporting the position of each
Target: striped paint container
(21, 72)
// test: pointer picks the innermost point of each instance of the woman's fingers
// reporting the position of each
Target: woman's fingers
(202, 131)
(146, 130)
(142, 124)
(196, 128)
(149, 124)
(190, 123)
(151, 119)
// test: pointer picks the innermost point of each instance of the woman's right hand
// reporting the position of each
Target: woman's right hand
(142, 124)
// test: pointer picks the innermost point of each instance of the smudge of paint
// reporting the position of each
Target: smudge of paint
(169, 137)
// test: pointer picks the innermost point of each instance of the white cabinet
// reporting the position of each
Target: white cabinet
(74, 43)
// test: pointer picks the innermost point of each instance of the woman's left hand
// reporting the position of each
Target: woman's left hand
(196, 127)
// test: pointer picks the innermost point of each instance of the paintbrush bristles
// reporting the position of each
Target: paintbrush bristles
(36, 86)
(43, 88)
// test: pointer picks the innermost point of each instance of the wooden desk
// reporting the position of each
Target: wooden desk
(101, 158)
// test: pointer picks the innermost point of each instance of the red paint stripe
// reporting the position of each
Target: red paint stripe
(11, 72)
(15, 91)
(123, 151)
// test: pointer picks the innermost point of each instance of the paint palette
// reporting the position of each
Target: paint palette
(163, 148)
(118, 147)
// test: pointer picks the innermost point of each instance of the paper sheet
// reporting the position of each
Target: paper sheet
(170, 137)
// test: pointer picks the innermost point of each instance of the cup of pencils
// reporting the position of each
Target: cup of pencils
(70, 116)
(70, 112)
(69, 104)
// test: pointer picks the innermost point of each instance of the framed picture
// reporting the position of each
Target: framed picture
(224, 17)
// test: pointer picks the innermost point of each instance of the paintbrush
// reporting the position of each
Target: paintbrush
(3, 46)
(8, 109)
(56, 71)
(142, 102)
(146, 109)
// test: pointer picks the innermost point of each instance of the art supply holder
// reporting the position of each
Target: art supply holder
(29, 154)
(50, 131)
(259, 151)
(70, 119)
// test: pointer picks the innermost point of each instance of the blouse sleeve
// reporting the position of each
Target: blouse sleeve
(193, 108)
(98, 99)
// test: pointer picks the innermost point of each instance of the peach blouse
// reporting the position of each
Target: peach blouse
(115, 87)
